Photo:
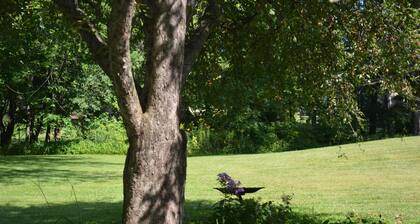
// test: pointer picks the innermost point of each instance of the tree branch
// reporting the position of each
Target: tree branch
(87, 30)
(96, 6)
(199, 36)
(191, 4)
(119, 34)
(114, 56)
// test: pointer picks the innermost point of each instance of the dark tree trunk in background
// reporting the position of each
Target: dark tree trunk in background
(155, 166)
(372, 112)
(38, 129)
(47, 134)
(57, 134)
(385, 116)
(416, 121)
(30, 125)
(9, 126)
(313, 118)
(2, 128)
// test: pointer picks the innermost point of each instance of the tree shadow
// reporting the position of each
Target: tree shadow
(52, 160)
(196, 212)
(82, 212)
(86, 213)
(38, 148)
(18, 169)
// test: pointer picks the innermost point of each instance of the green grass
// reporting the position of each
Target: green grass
(370, 178)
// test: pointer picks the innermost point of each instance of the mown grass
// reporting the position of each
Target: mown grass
(368, 178)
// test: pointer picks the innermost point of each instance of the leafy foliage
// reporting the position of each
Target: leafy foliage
(46, 74)
(271, 61)
(274, 75)
(253, 211)
(103, 136)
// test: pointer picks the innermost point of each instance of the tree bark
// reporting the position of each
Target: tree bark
(29, 124)
(416, 121)
(372, 112)
(57, 134)
(48, 134)
(7, 132)
(38, 129)
(199, 35)
(155, 169)
(2, 128)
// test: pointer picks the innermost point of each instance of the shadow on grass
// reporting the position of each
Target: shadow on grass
(17, 169)
(99, 212)
(51, 160)
(196, 212)
(85, 213)
(37, 148)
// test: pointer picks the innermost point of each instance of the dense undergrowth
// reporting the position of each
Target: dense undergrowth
(253, 211)
(107, 136)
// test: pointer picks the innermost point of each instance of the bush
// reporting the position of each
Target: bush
(251, 211)
(257, 137)
(104, 136)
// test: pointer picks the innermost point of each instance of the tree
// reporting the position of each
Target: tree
(320, 55)
(155, 167)
(45, 74)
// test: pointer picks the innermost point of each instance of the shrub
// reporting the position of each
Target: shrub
(230, 210)
(104, 136)
(248, 211)
(256, 137)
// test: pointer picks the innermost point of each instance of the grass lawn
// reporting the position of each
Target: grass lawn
(369, 178)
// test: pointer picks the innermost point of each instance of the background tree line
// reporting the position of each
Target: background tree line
(294, 74)
(275, 76)
(47, 81)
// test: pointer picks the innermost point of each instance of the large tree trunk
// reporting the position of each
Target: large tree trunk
(154, 173)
